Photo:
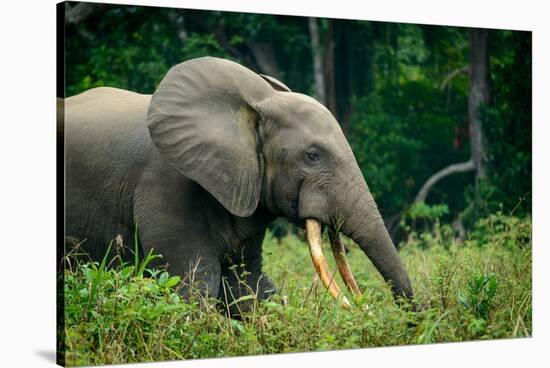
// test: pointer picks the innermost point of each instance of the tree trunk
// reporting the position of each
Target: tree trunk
(343, 72)
(178, 19)
(328, 68)
(317, 55)
(479, 95)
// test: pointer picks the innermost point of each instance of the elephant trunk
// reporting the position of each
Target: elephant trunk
(353, 212)
(362, 222)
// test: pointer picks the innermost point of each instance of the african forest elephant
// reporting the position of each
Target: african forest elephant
(202, 166)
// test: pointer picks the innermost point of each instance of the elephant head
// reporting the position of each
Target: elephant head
(251, 142)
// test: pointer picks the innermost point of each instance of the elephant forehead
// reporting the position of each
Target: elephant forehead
(302, 111)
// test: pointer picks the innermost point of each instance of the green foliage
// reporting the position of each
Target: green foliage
(507, 123)
(504, 231)
(481, 291)
(130, 47)
(477, 289)
(373, 135)
(198, 45)
(401, 90)
(426, 217)
(420, 210)
(411, 127)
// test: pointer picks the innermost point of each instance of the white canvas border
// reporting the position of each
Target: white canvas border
(27, 192)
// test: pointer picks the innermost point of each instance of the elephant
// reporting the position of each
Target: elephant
(198, 170)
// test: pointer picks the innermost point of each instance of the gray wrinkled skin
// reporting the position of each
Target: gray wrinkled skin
(204, 165)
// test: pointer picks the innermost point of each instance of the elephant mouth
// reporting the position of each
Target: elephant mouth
(313, 235)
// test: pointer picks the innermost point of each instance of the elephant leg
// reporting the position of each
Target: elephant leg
(242, 285)
(189, 257)
(199, 268)
(202, 276)
(166, 226)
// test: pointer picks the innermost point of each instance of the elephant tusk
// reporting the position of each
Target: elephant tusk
(313, 234)
(342, 263)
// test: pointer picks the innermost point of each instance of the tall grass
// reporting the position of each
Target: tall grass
(477, 289)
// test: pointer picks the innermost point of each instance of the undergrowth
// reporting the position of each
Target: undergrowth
(479, 288)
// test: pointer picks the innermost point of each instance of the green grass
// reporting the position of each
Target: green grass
(478, 289)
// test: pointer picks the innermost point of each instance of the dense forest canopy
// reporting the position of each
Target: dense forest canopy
(401, 92)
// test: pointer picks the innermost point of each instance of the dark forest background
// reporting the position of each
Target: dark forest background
(439, 118)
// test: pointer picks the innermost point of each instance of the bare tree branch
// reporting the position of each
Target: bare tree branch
(451, 169)
(452, 76)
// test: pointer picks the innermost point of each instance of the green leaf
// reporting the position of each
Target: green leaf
(172, 281)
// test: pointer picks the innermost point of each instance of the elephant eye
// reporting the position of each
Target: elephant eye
(313, 156)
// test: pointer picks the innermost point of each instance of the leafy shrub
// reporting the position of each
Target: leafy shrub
(458, 290)
(421, 210)
(481, 291)
(502, 230)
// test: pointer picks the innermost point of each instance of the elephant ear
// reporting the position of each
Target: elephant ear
(202, 122)
(275, 83)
